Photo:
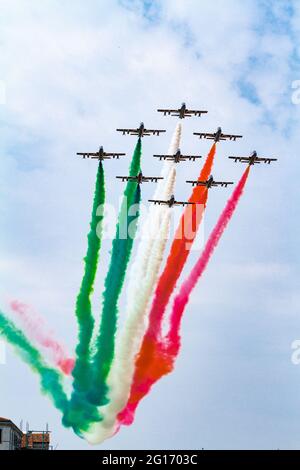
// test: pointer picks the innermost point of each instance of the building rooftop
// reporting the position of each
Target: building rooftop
(39, 437)
(29, 439)
(33, 440)
(10, 422)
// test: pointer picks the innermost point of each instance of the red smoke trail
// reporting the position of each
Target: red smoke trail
(164, 352)
(184, 236)
(36, 328)
(179, 252)
(172, 339)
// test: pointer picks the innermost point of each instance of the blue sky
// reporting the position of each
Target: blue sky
(74, 71)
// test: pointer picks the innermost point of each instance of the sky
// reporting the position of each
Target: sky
(74, 71)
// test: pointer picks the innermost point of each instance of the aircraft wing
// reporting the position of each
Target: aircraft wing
(257, 160)
(230, 137)
(240, 159)
(88, 154)
(182, 158)
(130, 131)
(105, 155)
(169, 111)
(153, 179)
(114, 154)
(190, 157)
(127, 178)
(176, 112)
(153, 131)
(176, 203)
(197, 183)
(164, 157)
(222, 183)
(205, 135)
(265, 160)
(181, 203)
(137, 131)
(194, 112)
(126, 131)
(156, 201)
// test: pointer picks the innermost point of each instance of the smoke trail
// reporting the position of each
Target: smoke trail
(50, 378)
(78, 412)
(83, 304)
(164, 352)
(37, 331)
(142, 278)
(172, 340)
(180, 248)
(121, 251)
(167, 282)
(120, 378)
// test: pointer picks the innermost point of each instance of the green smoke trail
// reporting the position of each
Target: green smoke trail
(83, 304)
(121, 251)
(50, 379)
(79, 411)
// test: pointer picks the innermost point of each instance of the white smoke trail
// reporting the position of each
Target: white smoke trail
(142, 279)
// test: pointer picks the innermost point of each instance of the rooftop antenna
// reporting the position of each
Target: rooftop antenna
(47, 427)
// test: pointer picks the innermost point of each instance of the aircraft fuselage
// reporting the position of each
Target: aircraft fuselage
(182, 111)
(141, 129)
(218, 134)
(209, 182)
(177, 156)
(171, 201)
(140, 177)
(252, 158)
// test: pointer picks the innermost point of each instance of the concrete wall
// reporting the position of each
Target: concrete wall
(5, 438)
(10, 438)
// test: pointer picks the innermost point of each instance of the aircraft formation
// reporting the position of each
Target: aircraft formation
(178, 157)
(108, 381)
